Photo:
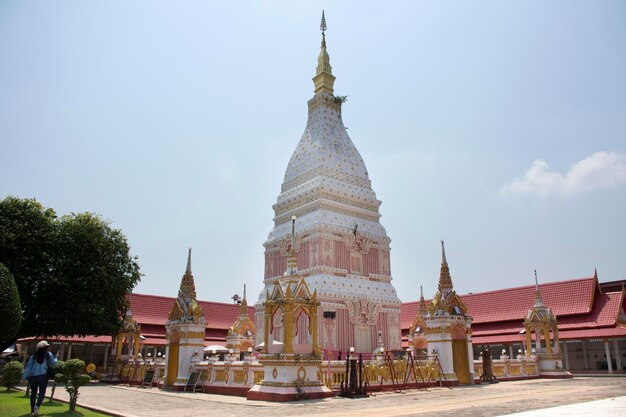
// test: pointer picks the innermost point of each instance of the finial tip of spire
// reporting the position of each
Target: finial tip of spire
(323, 23)
(443, 252)
(188, 269)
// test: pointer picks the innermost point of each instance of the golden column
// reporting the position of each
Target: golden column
(288, 342)
(316, 348)
(268, 314)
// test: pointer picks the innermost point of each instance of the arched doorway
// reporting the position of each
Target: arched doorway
(172, 359)
(459, 355)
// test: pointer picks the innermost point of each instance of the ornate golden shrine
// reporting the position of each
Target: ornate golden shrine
(291, 368)
(290, 298)
(241, 333)
(448, 328)
(542, 321)
(417, 330)
(127, 340)
(185, 331)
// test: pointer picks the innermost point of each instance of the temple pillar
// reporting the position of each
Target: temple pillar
(511, 351)
(556, 340)
(120, 343)
(314, 331)
(268, 316)
(529, 342)
(618, 359)
(609, 362)
(586, 360)
(106, 355)
(69, 352)
(288, 342)
(546, 333)
(136, 345)
(565, 355)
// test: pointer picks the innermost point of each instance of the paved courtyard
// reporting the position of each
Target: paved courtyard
(479, 400)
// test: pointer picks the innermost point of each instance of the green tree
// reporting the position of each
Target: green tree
(27, 232)
(71, 373)
(10, 308)
(12, 374)
(94, 270)
(73, 273)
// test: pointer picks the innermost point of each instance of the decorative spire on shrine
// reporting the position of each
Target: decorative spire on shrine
(186, 307)
(423, 306)
(243, 308)
(595, 273)
(445, 281)
(324, 78)
(188, 269)
(187, 289)
(538, 300)
(292, 260)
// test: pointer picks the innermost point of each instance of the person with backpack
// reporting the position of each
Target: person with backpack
(37, 371)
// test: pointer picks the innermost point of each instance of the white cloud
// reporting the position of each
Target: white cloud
(599, 170)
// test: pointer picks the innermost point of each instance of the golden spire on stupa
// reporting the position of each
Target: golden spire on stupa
(324, 78)
(445, 280)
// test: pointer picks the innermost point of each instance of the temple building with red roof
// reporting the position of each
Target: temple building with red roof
(591, 323)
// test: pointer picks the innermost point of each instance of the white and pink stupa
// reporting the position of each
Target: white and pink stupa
(343, 250)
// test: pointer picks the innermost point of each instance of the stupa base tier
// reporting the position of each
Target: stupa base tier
(287, 393)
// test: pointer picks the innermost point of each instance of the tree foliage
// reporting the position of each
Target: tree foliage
(72, 273)
(26, 247)
(12, 374)
(10, 308)
(71, 374)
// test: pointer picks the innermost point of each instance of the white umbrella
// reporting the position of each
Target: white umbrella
(262, 345)
(217, 348)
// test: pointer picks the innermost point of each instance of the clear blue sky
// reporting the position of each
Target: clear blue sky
(497, 126)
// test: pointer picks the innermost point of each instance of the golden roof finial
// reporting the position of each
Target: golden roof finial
(243, 308)
(188, 269)
(445, 280)
(538, 300)
(187, 288)
(186, 306)
(324, 79)
(423, 307)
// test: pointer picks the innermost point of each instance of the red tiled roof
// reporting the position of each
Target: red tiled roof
(497, 339)
(502, 327)
(154, 341)
(153, 310)
(75, 339)
(564, 298)
(591, 333)
(605, 311)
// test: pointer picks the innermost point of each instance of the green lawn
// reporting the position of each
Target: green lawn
(15, 404)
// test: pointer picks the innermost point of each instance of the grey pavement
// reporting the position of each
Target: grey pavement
(612, 407)
(540, 397)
